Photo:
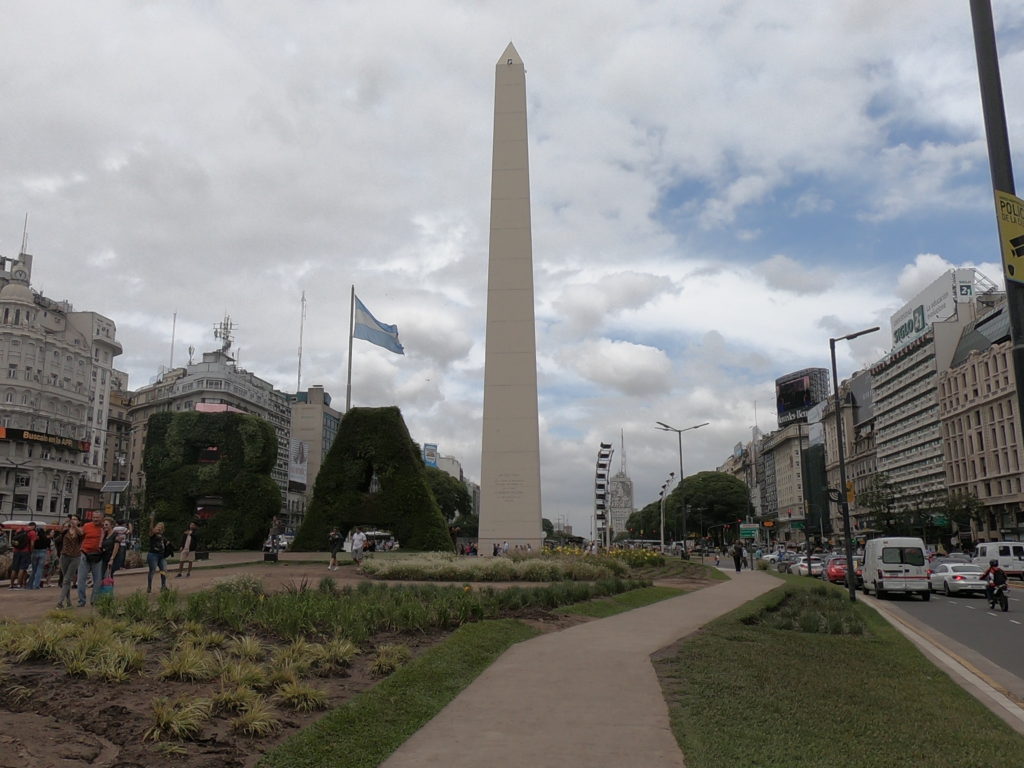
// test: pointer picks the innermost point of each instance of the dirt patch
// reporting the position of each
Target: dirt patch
(56, 721)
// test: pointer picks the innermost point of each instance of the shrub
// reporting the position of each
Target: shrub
(177, 719)
(302, 698)
(188, 663)
(257, 720)
(388, 658)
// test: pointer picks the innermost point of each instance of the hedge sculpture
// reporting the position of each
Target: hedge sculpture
(192, 455)
(374, 477)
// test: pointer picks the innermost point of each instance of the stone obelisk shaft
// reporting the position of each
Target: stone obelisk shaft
(510, 508)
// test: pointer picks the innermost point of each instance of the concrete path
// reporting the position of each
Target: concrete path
(587, 695)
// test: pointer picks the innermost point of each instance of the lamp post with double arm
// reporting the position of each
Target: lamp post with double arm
(679, 433)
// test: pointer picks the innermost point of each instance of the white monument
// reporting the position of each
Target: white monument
(510, 508)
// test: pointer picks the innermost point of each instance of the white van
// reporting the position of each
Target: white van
(1010, 555)
(895, 564)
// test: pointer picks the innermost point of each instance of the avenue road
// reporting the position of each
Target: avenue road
(967, 619)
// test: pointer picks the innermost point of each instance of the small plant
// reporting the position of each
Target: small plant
(170, 749)
(388, 658)
(281, 675)
(246, 647)
(143, 631)
(189, 663)
(243, 673)
(177, 719)
(19, 693)
(302, 698)
(299, 655)
(335, 654)
(234, 699)
(258, 720)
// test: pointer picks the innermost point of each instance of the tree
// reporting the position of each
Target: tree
(645, 523)
(549, 528)
(713, 498)
(468, 525)
(451, 495)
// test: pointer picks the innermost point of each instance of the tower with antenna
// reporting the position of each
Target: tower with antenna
(620, 492)
(302, 325)
(225, 331)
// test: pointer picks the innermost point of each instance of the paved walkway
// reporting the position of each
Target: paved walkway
(587, 695)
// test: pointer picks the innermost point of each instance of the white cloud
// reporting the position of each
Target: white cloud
(632, 369)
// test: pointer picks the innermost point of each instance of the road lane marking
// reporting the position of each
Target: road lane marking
(1014, 621)
(969, 607)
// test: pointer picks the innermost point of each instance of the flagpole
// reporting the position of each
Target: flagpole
(351, 331)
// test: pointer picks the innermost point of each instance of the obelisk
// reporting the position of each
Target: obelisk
(510, 460)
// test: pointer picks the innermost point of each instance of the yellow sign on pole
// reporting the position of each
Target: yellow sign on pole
(1010, 215)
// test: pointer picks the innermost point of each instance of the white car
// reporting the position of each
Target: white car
(772, 557)
(953, 578)
(800, 567)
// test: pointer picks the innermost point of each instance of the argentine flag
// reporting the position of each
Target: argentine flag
(368, 328)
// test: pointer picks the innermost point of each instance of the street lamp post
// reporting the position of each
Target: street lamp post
(679, 433)
(844, 501)
(664, 497)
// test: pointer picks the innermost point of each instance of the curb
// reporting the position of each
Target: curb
(983, 687)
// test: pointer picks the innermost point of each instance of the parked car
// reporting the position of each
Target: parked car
(953, 578)
(834, 569)
(785, 561)
(799, 568)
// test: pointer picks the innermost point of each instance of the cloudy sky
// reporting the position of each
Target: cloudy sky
(717, 188)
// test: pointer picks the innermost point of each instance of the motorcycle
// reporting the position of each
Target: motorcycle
(998, 595)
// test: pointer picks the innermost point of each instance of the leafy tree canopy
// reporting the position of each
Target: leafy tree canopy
(451, 494)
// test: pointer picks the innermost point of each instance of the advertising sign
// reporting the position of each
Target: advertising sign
(1010, 215)
(298, 461)
(430, 454)
(6, 433)
(935, 303)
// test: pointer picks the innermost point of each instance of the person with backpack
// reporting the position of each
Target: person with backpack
(40, 552)
(91, 561)
(21, 556)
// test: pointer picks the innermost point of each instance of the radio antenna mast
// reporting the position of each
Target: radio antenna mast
(24, 236)
(302, 325)
(174, 327)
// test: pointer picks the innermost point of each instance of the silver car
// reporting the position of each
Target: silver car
(953, 578)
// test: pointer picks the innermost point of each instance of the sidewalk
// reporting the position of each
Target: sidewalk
(587, 695)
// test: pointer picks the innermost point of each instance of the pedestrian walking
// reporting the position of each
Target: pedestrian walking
(156, 558)
(334, 542)
(189, 545)
(358, 545)
(40, 551)
(737, 556)
(70, 554)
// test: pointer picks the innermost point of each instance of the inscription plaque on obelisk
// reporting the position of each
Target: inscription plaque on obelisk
(510, 508)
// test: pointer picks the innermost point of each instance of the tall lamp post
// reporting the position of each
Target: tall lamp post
(679, 433)
(664, 497)
(844, 501)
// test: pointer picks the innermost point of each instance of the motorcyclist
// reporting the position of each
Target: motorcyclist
(993, 577)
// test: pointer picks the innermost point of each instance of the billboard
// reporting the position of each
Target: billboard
(298, 461)
(430, 454)
(797, 392)
(934, 304)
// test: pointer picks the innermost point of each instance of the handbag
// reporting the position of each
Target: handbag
(107, 586)
(168, 548)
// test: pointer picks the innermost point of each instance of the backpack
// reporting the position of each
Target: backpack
(20, 539)
(42, 540)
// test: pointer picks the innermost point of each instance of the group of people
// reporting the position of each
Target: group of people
(90, 552)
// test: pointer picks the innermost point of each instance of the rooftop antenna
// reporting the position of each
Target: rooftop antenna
(302, 325)
(174, 327)
(224, 330)
(24, 236)
(191, 352)
(622, 457)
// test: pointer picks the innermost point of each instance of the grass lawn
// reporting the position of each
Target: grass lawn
(745, 694)
(362, 733)
(626, 601)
